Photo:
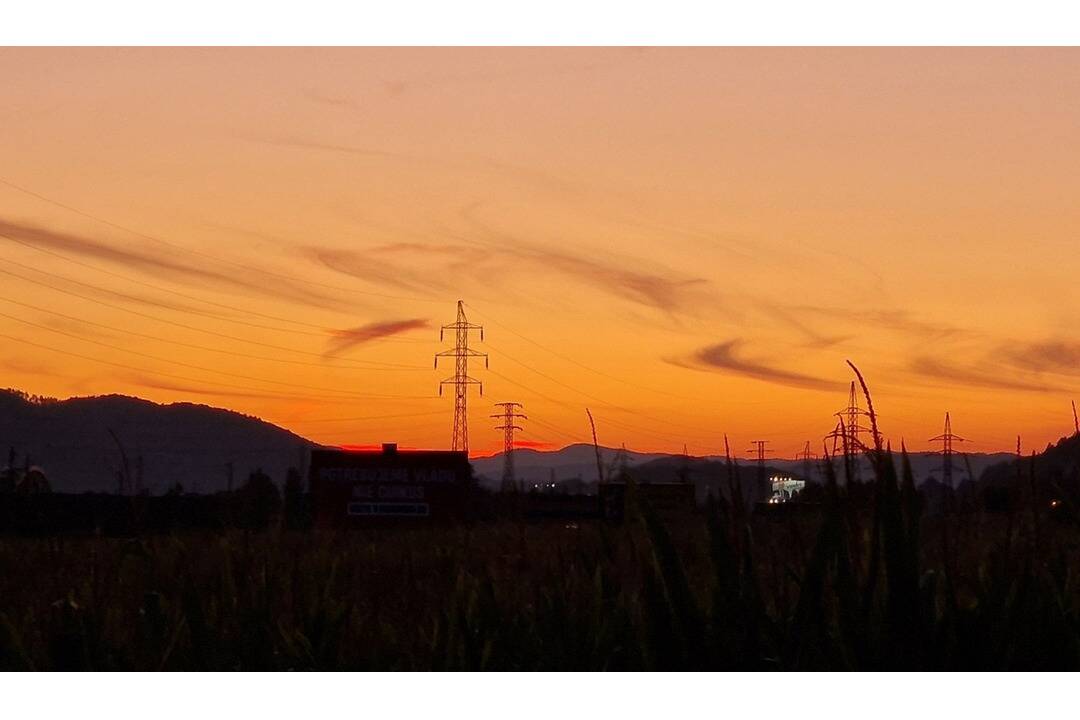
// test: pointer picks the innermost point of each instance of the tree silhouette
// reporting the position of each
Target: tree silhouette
(294, 500)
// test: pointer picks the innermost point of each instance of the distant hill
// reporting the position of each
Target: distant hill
(573, 461)
(535, 466)
(1056, 469)
(924, 465)
(178, 443)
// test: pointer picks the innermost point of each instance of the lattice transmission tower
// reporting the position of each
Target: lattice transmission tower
(807, 457)
(947, 438)
(849, 426)
(461, 381)
(509, 416)
(761, 451)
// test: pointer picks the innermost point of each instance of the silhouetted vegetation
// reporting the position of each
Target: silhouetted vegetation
(846, 585)
(858, 576)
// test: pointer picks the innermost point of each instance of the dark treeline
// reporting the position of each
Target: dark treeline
(255, 505)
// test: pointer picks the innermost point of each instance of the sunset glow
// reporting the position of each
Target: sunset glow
(689, 242)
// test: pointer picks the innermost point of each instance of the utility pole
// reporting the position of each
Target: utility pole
(761, 451)
(508, 416)
(461, 381)
(947, 439)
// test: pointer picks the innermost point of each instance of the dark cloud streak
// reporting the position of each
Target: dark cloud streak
(722, 357)
(347, 339)
(936, 369)
(1056, 356)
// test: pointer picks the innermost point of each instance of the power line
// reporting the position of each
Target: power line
(344, 393)
(325, 364)
(548, 377)
(201, 254)
(158, 319)
(159, 288)
(559, 431)
(580, 364)
(605, 403)
(537, 393)
(544, 439)
(366, 417)
(661, 437)
(158, 373)
(133, 298)
(189, 311)
(349, 433)
(658, 434)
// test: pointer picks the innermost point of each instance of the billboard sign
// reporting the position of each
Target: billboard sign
(350, 487)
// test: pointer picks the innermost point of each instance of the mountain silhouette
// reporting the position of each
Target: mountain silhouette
(73, 442)
(573, 461)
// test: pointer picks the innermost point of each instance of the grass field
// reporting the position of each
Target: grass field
(849, 584)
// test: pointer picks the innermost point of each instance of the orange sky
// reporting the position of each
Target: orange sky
(688, 241)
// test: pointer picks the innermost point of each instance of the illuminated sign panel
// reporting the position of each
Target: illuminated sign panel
(354, 487)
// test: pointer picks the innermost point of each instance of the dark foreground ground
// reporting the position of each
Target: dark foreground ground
(844, 584)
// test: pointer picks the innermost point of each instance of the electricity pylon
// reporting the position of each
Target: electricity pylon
(849, 427)
(947, 439)
(759, 448)
(461, 380)
(808, 458)
(508, 416)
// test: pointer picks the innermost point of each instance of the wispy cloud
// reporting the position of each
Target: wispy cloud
(636, 284)
(643, 282)
(329, 147)
(979, 377)
(422, 267)
(166, 265)
(722, 357)
(1056, 356)
(398, 270)
(343, 340)
(890, 319)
